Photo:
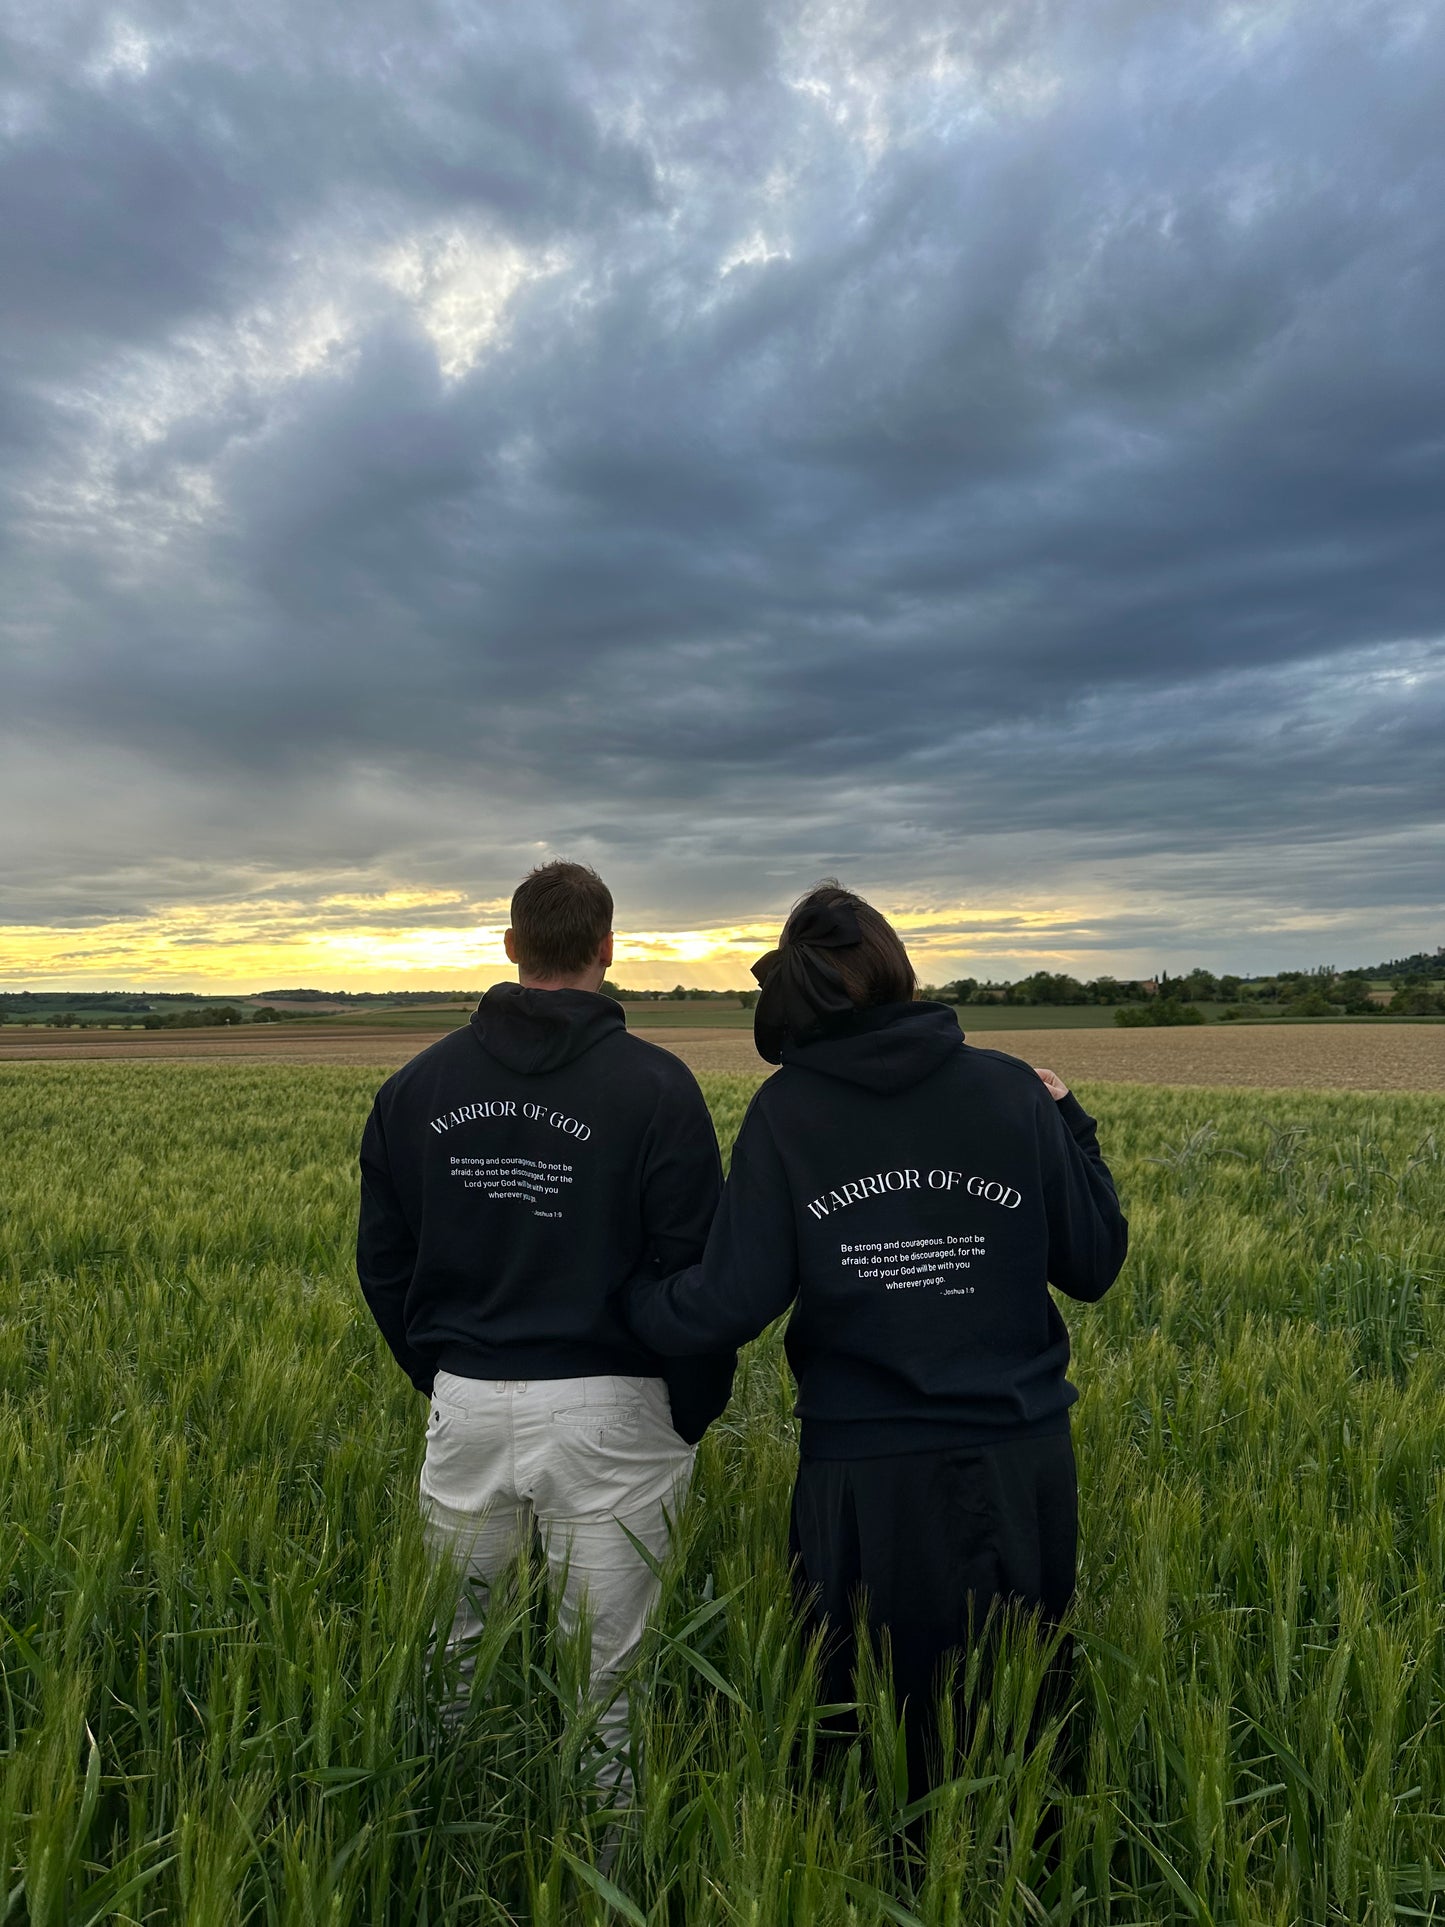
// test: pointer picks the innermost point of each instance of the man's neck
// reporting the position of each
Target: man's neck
(587, 982)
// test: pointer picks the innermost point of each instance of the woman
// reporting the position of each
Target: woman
(912, 1197)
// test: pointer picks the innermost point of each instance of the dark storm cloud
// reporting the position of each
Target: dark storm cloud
(737, 441)
(163, 157)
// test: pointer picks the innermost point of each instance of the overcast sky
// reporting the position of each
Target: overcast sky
(991, 453)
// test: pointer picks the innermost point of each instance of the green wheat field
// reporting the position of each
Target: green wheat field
(217, 1700)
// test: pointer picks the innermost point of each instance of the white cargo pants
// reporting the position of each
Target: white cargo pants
(573, 1460)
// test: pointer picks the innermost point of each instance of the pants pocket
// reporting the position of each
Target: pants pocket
(601, 1424)
(630, 1408)
(609, 1456)
(458, 1393)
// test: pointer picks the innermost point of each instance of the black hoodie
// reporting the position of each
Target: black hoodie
(513, 1175)
(915, 1195)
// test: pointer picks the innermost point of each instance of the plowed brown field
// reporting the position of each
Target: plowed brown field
(1327, 1057)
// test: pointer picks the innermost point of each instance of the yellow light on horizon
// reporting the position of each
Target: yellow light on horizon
(373, 940)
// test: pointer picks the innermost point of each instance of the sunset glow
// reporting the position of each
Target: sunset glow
(400, 939)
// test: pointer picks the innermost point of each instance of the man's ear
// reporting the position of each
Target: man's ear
(604, 955)
(509, 943)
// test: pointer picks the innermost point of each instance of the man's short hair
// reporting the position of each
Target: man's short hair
(561, 912)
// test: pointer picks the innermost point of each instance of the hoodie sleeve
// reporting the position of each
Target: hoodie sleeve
(682, 1179)
(1088, 1233)
(680, 1195)
(386, 1252)
(749, 1271)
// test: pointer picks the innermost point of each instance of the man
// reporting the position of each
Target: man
(512, 1177)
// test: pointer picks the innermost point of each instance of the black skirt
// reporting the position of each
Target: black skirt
(922, 1546)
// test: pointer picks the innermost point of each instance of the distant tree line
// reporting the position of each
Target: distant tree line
(206, 1015)
(1159, 1011)
(1327, 992)
(1321, 992)
(1055, 988)
(119, 1000)
(679, 994)
(1429, 964)
(308, 996)
(1414, 991)
(210, 1016)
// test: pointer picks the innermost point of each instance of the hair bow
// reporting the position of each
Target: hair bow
(800, 985)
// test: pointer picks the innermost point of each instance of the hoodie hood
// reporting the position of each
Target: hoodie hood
(531, 1031)
(888, 1048)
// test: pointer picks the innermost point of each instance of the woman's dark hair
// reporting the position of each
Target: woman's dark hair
(560, 914)
(874, 970)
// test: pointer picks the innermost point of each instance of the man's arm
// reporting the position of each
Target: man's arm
(1088, 1233)
(386, 1252)
(749, 1271)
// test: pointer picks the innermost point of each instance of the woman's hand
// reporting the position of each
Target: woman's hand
(1053, 1083)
